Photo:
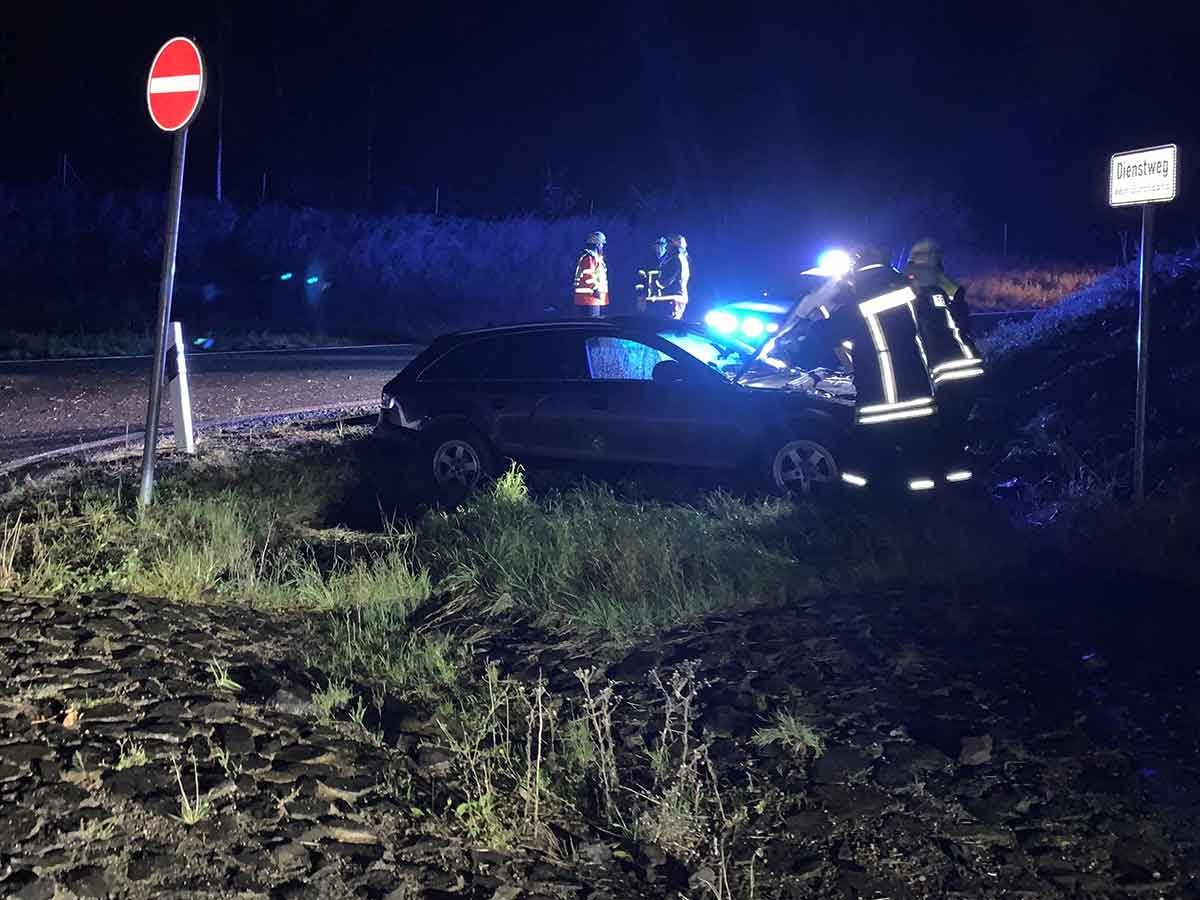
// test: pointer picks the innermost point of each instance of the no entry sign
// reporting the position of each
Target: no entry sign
(175, 88)
(174, 92)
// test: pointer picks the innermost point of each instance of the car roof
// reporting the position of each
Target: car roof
(627, 323)
(760, 306)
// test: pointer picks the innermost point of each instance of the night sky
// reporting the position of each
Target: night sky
(1013, 110)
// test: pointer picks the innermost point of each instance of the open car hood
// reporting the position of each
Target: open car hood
(759, 371)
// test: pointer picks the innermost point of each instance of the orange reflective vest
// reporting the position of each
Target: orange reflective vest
(591, 279)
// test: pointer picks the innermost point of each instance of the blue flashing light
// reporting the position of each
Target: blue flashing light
(286, 276)
(311, 279)
(772, 327)
(752, 327)
(719, 320)
(835, 262)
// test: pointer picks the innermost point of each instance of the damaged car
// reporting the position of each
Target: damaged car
(625, 390)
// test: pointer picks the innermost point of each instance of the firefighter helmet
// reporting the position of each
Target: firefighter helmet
(870, 256)
(661, 245)
(596, 239)
(926, 251)
(677, 242)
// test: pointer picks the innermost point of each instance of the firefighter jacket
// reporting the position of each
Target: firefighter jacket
(674, 277)
(944, 323)
(591, 279)
(873, 319)
(648, 286)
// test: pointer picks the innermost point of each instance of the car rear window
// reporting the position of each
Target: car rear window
(517, 357)
(622, 359)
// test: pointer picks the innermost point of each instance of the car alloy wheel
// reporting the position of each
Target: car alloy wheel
(457, 464)
(801, 466)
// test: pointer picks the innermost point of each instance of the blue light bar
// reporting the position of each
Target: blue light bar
(721, 321)
(286, 276)
(311, 279)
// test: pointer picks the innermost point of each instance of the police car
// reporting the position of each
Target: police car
(754, 321)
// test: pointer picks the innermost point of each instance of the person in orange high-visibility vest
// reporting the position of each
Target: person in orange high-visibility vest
(591, 278)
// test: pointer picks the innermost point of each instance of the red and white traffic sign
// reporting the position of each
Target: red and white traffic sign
(175, 88)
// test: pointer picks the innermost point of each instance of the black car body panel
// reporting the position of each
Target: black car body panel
(598, 391)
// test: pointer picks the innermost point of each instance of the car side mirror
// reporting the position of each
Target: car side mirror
(667, 371)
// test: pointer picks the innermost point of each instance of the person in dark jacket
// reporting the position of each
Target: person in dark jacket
(648, 288)
(868, 318)
(954, 362)
(675, 272)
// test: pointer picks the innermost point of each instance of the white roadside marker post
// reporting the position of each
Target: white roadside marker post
(181, 395)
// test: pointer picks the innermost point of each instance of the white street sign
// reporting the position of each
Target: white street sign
(1143, 176)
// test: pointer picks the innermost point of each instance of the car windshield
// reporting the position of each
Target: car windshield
(721, 352)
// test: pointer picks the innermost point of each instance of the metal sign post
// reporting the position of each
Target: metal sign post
(1143, 178)
(174, 92)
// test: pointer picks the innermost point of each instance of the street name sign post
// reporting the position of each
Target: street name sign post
(1143, 178)
(174, 92)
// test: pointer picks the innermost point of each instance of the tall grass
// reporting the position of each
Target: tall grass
(1034, 288)
(586, 558)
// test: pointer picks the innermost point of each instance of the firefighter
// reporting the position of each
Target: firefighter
(674, 276)
(867, 318)
(954, 362)
(648, 288)
(591, 278)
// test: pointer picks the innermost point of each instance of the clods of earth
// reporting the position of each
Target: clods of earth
(999, 742)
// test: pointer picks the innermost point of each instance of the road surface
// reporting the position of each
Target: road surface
(48, 404)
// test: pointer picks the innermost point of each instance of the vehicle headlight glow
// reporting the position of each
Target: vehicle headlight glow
(752, 327)
(835, 262)
(721, 321)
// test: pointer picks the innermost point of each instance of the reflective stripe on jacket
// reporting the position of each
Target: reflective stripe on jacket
(892, 381)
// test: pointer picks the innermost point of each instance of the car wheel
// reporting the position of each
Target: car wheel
(460, 460)
(802, 467)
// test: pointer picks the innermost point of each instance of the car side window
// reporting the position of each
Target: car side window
(540, 356)
(621, 359)
(466, 362)
(516, 357)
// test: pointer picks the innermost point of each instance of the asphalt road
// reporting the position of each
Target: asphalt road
(48, 404)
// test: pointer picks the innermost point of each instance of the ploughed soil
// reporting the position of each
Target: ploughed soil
(1032, 738)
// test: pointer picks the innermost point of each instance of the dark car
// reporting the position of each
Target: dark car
(617, 390)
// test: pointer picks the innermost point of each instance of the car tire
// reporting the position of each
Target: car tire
(801, 467)
(459, 461)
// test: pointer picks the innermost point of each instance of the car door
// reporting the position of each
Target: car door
(474, 381)
(546, 376)
(695, 420)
